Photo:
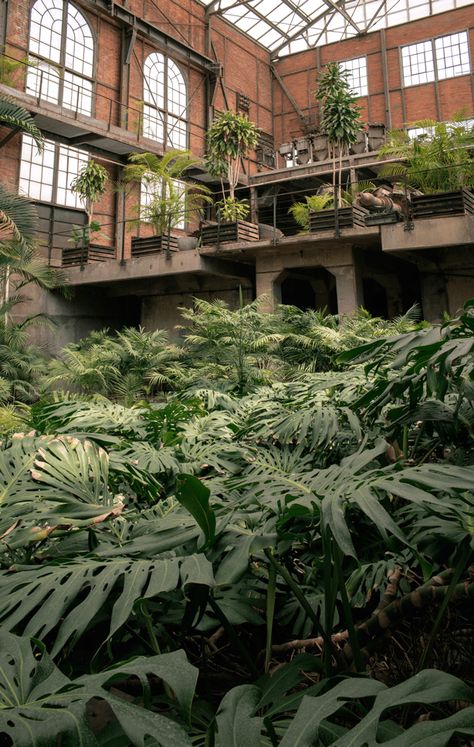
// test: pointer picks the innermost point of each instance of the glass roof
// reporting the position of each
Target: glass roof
(289, 26)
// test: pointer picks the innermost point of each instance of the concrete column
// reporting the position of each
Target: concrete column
(348, 288)
(267, 286)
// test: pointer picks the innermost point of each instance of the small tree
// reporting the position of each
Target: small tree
(340, 116)
(229, 139)
(90, 185)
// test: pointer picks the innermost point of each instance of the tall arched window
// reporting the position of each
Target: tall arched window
(165, 102)
(61, 50)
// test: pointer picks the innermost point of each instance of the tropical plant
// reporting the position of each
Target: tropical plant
(18, 118)
(90, 184)
(438, 160)
(340, 116)
(172, 199)
(229, 139)
(313, 203)
(278, 536)
(128, 366)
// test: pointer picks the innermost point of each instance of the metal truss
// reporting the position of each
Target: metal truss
(290, 26)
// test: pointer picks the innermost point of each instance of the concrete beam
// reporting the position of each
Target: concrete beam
(429, 233)
(157, 266)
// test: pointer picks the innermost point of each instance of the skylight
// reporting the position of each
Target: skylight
(289, 26)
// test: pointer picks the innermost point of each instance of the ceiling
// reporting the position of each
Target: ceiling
(288, 26)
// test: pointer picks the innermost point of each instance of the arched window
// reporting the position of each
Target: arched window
(165, 102)
(61, 50)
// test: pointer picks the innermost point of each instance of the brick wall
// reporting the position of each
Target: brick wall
(396, 105)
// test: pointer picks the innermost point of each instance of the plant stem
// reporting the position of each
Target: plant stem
(229, 629)
(463, 557)
(271, 595)
(284, 573)
(154, 642)
(347, 609)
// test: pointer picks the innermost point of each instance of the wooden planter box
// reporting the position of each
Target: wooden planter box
(446, 203)
(83, 255)
(240, 230)
(153, 244)
(349, 217)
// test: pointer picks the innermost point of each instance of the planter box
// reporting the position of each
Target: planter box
(73, 256)
(446, 203)
(142, 247)
(240, 230)
(349, 217)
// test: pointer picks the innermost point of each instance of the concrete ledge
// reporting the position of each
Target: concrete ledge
(429, 233)
(156, 266)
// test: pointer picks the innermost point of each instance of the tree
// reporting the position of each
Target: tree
(340, 116)
(90, 185)
(229, 139)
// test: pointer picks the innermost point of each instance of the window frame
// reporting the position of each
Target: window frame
(61, 68)
(432, 41)
(59, 150)
(162, 114)
(342, 64)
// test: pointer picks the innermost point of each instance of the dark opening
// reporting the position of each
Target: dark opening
(375, 298)
(313, 288)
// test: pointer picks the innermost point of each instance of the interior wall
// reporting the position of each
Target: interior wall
(393, 105)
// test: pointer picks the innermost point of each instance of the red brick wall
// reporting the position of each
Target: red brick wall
(432, 100)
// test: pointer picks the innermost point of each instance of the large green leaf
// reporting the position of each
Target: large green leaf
(70, 595)
(194, 496)
(236, 723)
(39, 704)
(427, 687)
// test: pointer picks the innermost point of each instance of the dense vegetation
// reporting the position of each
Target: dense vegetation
(260, 535)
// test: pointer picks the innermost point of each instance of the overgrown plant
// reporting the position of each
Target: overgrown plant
(437, 160)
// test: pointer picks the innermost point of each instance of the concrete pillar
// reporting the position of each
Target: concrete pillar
(348, 288)
(267, 285)
(434, 296)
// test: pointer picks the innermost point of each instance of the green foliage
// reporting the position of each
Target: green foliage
(231, 209)
(173, 199)
(39, 703)
(270, 504)
(313, 203)
(90, 185)
(229, 139)
(437, 161)
(12, 115)
(340, 115)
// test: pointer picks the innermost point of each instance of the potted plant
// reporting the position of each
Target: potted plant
(229, 139)
(437, 162)
(170, 200)
(90, 185)
(340, 117)
(317, 212)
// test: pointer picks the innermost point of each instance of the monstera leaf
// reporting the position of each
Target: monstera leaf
(52, 484)
(70, 595)
(39, 704)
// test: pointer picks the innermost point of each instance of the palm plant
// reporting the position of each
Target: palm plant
(173, 199)
(226, 344)
(12, 115)
(131, 365)
(437, 161)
